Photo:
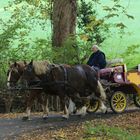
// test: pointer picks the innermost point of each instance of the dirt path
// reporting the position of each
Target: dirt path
(11, 128)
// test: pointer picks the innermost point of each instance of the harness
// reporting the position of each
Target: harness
(65, 76)
(40, 84)
(64, 83)
(14, 81)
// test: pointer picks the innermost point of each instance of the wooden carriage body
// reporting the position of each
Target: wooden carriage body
(119, 84)
(119, 75)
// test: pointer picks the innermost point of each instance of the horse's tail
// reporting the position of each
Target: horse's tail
(101, 90)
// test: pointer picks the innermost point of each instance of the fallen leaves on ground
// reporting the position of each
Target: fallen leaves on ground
(76, 131)
(15, 115)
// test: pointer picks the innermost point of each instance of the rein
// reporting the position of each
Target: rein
(15, 81)
(64, 83)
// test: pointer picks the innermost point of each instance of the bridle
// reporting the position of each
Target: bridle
(18, 74)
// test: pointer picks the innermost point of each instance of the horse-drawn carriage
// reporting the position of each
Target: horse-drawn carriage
(119, 84)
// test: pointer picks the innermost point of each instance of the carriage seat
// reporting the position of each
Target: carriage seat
(108, 71)
(114, 62)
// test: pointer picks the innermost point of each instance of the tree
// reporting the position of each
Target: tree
(97, 24)
(63, 20)
(28, 16)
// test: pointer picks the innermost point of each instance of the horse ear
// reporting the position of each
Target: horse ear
(25, 63)
(31, 63)
(15, 64)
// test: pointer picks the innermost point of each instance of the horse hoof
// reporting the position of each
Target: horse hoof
(65, 117)
(26, 118)
(45, 117)
(75, 111)
(106, 111)
(82, 112)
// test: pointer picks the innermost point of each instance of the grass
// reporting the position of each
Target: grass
(104, 132)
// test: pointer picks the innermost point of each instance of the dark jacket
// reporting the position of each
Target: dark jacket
(97, 59)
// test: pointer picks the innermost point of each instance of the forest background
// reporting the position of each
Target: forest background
(27, 29)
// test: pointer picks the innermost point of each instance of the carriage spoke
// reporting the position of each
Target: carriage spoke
(118, 102)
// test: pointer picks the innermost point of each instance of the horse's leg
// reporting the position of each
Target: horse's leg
(77, 104)
(100, 91)
(44, 104)
(71, 106)
(102, 97)
(81, 102)
(30, 100)
(63, 101)
(102, 106)
(82, 111)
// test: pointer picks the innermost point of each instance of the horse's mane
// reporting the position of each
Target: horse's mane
(41, 67)
(21, 64)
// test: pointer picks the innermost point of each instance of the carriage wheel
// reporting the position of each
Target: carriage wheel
(137, 100)
(93, 106)
(118, 102)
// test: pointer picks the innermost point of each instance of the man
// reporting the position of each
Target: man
(97, 58)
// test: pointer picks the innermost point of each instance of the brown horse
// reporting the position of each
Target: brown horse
(14, 74)
(78, 82)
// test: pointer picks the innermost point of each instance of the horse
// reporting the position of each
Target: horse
(14, 74)
(80, 83)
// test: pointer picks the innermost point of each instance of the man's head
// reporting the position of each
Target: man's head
(95, 48)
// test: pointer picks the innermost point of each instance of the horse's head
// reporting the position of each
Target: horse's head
(29, 76)
(35, 72)
(14, 73)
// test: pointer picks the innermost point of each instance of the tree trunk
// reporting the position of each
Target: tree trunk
(63, 21)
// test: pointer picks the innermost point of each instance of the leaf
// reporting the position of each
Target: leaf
(121, 25)
(130, 16)
(115, 9)
(117, 5)
(84, 37)
(111, 15)
(106, 8)
(116, 0)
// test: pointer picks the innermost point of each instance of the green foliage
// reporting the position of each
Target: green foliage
(3, 72)
(74, 51)
(95, 28)
(16, 40)
(15, 37)
(131, 55)
(104, 131)
(69, 53)
(20, 37)
(92, 28)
